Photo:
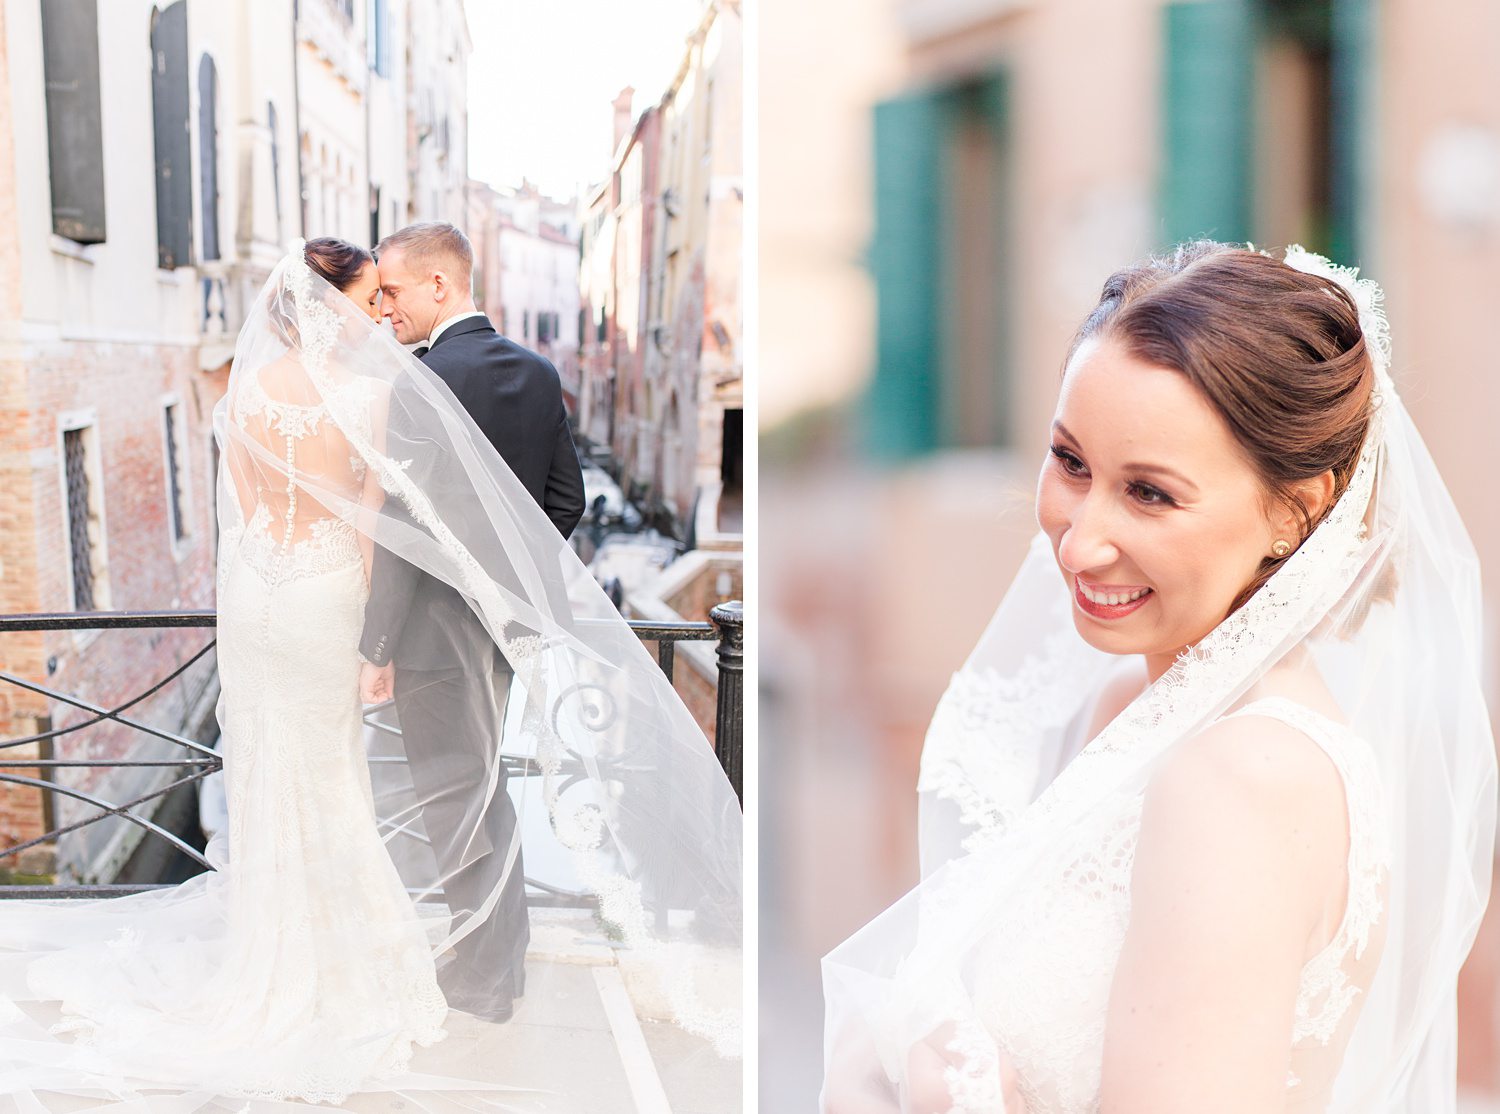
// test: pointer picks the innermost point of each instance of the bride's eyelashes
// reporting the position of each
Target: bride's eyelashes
(1148, 495)
(1069, 462)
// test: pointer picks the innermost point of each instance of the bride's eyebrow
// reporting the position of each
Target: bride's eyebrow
(1188, 486)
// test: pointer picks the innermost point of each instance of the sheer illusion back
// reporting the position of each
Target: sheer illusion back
(293, 447)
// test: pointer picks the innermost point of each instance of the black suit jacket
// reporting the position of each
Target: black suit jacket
(515, 398)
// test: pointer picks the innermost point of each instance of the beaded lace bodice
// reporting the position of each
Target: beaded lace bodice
(1044, 976)
(288, 532)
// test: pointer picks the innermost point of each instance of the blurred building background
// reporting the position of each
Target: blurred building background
(947, 183)
(660, 327)
(526, 271)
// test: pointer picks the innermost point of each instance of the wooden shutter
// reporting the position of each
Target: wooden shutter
(169, 100)
(208, 154)
(1353, 49)
(1207, 102)
(75, 129)
(907, 259)
(975, 381)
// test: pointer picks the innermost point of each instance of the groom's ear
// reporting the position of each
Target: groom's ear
(440, 286)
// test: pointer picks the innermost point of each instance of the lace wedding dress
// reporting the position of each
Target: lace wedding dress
(1003, 958)
(300, 969)
(1043, 977)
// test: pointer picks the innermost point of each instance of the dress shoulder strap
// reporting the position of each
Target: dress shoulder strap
(1325, 992)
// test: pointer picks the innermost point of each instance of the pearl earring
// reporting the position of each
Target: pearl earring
(1281, 547)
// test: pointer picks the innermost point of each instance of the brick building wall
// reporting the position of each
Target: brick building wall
(121, 389)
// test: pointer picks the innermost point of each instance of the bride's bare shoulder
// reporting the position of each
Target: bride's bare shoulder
(1256, 793)
(1259, 759)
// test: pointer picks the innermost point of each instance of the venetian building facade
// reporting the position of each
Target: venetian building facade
(144, 152)
(386, 129)
(437, 138)
(694, 399)
(537, 244)
(331, 70)
(661, 351)
(526, 276)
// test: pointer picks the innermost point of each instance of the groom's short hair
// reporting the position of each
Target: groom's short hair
(433, 245)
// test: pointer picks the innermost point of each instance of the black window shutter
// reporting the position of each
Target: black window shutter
(75, 129)
(169, 99)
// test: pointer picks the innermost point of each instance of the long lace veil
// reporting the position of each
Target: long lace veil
(623, 810)
(1382, 600)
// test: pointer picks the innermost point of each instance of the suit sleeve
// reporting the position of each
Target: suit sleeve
(393, 585)
(563, 499)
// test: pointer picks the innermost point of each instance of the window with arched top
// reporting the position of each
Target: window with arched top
(208, 154)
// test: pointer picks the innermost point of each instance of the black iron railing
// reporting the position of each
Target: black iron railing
(198, 761)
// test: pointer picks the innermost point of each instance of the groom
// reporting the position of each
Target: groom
(424, 645)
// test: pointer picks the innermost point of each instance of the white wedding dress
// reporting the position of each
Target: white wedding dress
(1043, 976)
(305, 967)
(1033, 788)
(300, 969)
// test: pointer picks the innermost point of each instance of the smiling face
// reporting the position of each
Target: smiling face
(1156, 517)
(412, 301)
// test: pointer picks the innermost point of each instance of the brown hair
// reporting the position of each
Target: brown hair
(338, 262)
(1278, 353)
(432, 245)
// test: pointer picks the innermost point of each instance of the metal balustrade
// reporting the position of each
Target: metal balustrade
(198, 761)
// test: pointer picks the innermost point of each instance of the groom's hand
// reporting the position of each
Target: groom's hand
(376, 682)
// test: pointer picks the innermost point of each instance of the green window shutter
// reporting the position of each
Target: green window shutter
(903, 405)
(75, 125)
(992, 103)
(1208, 48)
(1353, 56)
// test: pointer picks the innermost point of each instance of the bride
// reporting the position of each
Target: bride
(304, 968)
(1207, 819)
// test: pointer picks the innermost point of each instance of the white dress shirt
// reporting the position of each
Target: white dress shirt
(454, 320)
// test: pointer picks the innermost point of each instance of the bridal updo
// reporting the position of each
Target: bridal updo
(337, 262)
(1278, 354)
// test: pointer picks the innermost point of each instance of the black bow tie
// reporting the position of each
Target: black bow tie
(421, 350)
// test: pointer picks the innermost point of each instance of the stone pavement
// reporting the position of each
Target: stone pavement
(584, 1008)
(585, 1039)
